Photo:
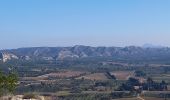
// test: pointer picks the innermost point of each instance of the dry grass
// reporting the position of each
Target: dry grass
(47, 98)
(33, 78)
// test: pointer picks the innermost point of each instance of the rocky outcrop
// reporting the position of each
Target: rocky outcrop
(4, 56)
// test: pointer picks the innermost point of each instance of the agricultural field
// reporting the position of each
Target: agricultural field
(94, 76)
(63, 74)
(69, 82)
(91, 80)
(55, 75)
(123, 75)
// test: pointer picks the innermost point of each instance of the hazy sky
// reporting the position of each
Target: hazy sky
(27, 23)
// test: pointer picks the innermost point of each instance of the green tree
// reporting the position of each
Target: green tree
(139, 73)
(8, 82)
(149, 82)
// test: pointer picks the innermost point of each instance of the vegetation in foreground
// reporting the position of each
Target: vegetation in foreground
(8, 83)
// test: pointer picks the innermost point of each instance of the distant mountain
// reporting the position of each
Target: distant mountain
(151, 46)
(79, 51)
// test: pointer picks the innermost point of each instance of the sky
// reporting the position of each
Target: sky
(35, 23)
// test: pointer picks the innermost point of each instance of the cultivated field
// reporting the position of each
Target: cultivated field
(123, 75)
(95, 76)
(63, 74)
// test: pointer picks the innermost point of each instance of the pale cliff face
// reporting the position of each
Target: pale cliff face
(7, 56)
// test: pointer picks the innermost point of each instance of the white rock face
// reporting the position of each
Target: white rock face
(67, 54)
(7, 56)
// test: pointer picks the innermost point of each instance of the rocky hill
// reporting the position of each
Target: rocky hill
(5, 56)
(79, 51)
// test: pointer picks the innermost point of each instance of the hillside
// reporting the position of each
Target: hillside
(53, 53)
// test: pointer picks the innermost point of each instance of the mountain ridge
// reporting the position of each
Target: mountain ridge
(80, 51)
